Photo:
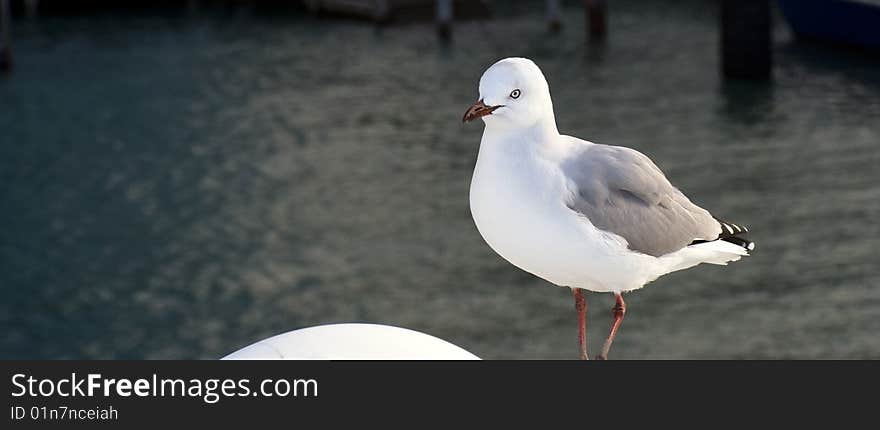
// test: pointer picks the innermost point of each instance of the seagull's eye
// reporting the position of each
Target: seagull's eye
(515, 93)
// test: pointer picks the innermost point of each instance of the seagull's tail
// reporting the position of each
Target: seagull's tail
(717, 251)
(741, 242)
(721, 251)
(729, 246)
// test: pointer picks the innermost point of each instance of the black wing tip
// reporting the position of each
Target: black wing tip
(747, 244)
(730, 229)
(731, 233)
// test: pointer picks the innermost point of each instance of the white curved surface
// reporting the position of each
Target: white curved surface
(352, 342)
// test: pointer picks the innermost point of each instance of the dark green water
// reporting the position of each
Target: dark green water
(180, 186)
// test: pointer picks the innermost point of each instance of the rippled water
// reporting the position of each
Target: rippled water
(179, 186)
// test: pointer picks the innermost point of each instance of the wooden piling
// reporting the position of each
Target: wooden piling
(31, 8)
(554, 19)
(596, 20)
(192, 7)
(746, 39)
(5, 37)
(444, 19)
(383, 11)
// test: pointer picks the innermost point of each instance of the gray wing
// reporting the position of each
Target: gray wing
(622, 191)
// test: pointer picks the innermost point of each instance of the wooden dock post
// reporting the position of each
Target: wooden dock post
(192, 7)
(5, 37)
(383, 11)
(554, 19)
(746, 39)
(596, 20)
(444, 19)
(31, 8)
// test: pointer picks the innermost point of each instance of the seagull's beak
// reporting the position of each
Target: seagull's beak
(479, 109)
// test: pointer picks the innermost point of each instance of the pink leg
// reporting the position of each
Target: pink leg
(617, 313)
(580, 304)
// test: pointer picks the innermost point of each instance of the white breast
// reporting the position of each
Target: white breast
(517, 201)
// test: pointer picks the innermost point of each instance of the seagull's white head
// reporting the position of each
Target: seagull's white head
(513, 94)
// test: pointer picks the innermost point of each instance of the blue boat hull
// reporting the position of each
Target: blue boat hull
(850, 22)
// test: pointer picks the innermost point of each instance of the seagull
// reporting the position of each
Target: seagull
(578, 214)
